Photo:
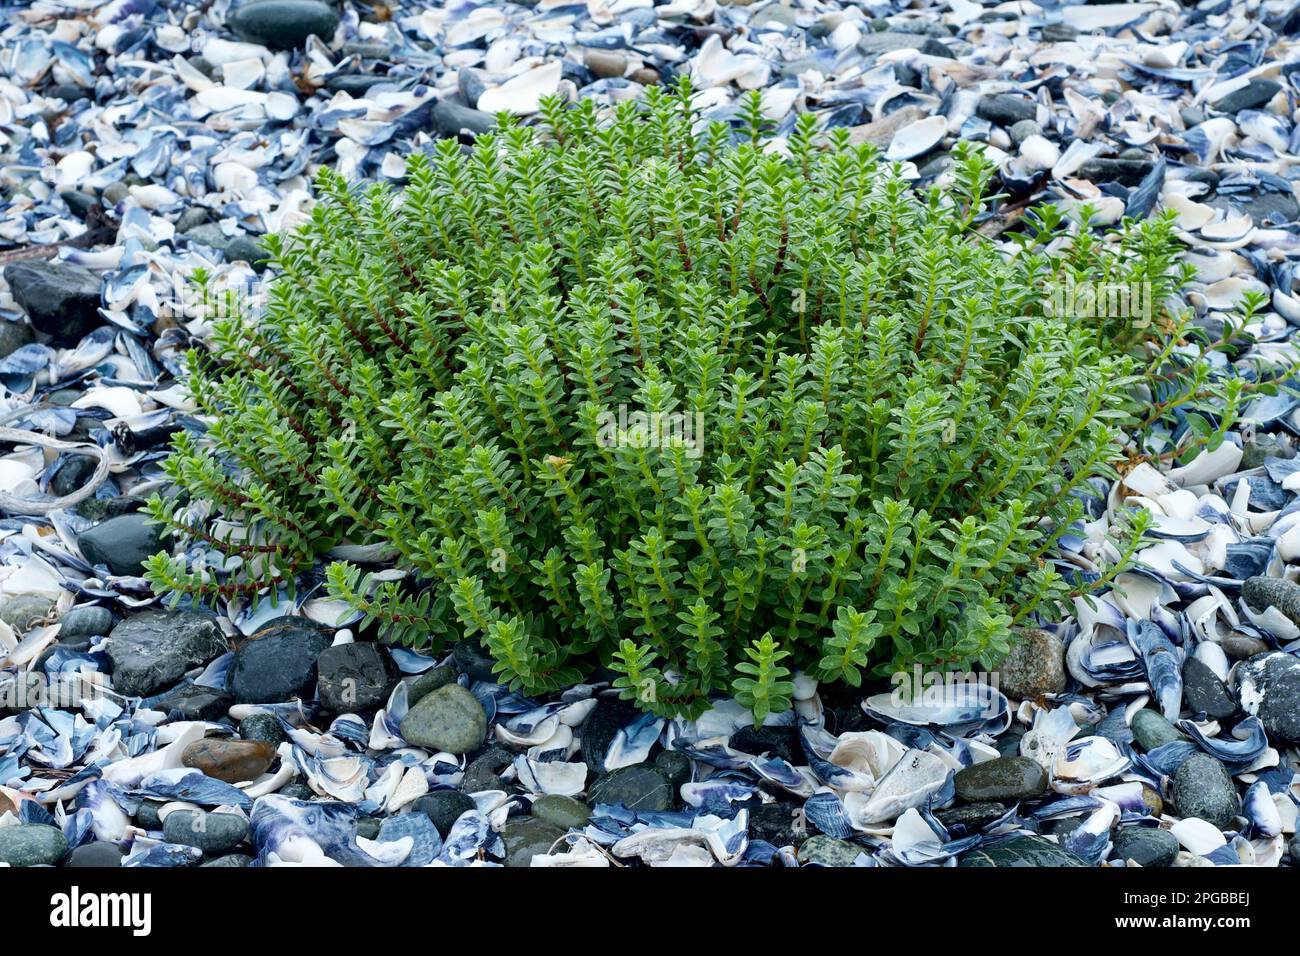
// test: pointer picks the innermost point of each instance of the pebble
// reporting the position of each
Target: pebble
(1006, 109)
(1253, 96)
(639, 787)
(23, 611)
(95, 855)
(828, 851)
(355, 677)
(1021, 850)
(443, 808)
(263, 728)
(213, 833)
(1261, 593)
(31, 844)
(561, 811)
(85, 621)
(153, 649)
(676, 766)
(423, 685)
(1202, 788)
(1151, 730)
(61, 300)
(234, 761)
(1204, 693)
(1145, 846)
(284, 24)
(1002, 779)
(527, 837)
(121, 544)
(1268, 686)
(1035, 666)
(278, 662)
(449, 719)
(192, 702)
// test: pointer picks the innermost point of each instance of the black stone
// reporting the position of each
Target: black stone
(1253, 96)
(1205, 693)
(443, 808)
(1006, 109)
(1203, 788)
(213, 833)
(278, 662)
(639, 787)
(780, 742)
(95, 855)
(61, 300)
(152, 650)
(1146, 846)
(355, 677)
(1126, 172)
(193, 702)
(284, 24)
(121, 544)
(1268, 686)
(971, 816)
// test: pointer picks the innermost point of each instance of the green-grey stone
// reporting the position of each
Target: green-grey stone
(828, 851)
(1152, 730)
(639, 787)
(22, 611)
(443, 808)
(31, 844)
(1146, 846)
(1203, 788)
(87, 621)
(231, 859)
(527, 837)
(422, 686)
(368, 827)
(263, 727)
(1023, 850)
(1264, 592)
(561, 811)
(190, 218)
(1035, 666)
(121, 544)
(213, 833)
(1002, 779)
(450, 719)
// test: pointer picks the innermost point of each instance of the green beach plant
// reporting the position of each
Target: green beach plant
(649, 394)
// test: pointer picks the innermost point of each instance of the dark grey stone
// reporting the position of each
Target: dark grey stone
(152, 650)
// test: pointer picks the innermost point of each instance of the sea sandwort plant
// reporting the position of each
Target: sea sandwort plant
(894, 426)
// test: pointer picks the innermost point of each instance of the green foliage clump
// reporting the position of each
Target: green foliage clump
(656, 397)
